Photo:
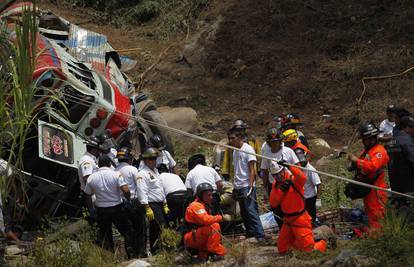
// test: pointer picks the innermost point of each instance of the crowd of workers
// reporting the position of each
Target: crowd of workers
(150, 194)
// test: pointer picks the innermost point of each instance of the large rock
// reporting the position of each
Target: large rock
(182, 118)
(323, 232)
(319, 142)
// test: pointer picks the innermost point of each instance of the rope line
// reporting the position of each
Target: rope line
(207, 140)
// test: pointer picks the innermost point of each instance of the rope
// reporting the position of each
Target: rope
(193, 136)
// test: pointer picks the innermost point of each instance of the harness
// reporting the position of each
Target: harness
(296, 213)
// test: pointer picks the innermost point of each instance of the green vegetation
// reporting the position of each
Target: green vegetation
(167, 17)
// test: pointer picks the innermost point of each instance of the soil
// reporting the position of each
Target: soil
(256, 59)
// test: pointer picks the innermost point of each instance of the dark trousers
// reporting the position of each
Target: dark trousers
(136, 216)
(310, 204)
(155, 225)
(176, 202)
(249, 212)
(277, 212)
(117, 216)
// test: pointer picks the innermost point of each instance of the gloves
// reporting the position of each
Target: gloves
(127, 204)
(166, 209)
(285, 185)
(226, 217)
(283, 163)
(149, 213)
(250, 191)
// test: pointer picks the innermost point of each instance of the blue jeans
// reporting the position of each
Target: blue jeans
(249, 212)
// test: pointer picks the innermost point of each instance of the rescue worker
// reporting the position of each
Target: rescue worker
(203, 229)
(175, 192)
(294, 122)
(291, 139)
(387, 125)
(152, 196)
(165, 156)
(245, 185)
(227, 167)
(200, 173)
(399, 113)
(134, 211)
(370, 169)
(107, 185)
(287, 192)
(88, 162)
(401, 165)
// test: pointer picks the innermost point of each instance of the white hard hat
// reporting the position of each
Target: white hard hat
(275, 168)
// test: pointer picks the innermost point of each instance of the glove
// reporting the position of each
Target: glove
(149, 213)
(127, 204)
(285, 185)
(250, 191)
(166, 209)
(226, 217)
(222, 198)
(283, 163)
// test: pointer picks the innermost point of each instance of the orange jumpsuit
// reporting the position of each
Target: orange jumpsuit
(206, 238)
(372, 163)
(296, 230)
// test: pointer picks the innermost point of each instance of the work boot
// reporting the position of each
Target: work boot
(215, 257)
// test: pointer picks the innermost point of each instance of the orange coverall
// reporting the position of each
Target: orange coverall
(206, 238)
(296, 230)
(372, 163)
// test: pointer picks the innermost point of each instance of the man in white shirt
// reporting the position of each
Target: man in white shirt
(134, 210)
(107, 186)
(312, 185)
(165, 156)
(245, 185)
(88, 162)
(275, 149)
(152, 196)
(175, 192)
(200, 173)
(386, 127)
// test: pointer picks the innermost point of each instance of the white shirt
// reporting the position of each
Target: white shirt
(106, 185)
(312, 181)
(285, 153)
(171, 183)
(130, 175)
(87, 166)
(164, 158)
(149, 186)
(201, 174)
(386, 127)
(241, 166)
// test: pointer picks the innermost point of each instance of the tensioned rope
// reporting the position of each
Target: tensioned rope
(193, 136)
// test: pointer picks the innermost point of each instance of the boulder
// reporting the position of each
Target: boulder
(138, 263)
(182, 118)
(323, 232)
(319, 142)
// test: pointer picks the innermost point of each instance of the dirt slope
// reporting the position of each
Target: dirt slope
(255, 59)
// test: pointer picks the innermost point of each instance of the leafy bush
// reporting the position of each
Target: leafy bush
(394, 245)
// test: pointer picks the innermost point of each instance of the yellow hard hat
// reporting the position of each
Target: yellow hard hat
(290, 135)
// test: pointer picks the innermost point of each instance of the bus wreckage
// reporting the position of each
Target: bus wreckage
(88, 75)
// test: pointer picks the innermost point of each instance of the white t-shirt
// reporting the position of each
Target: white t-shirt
(171, 183)
(201, 174)
(106, 185)
(149, 186)
(285, 153)
(130, 174)
(87, 165)
(241, 166)
(386, 127)
(311, 182)
(164, 158)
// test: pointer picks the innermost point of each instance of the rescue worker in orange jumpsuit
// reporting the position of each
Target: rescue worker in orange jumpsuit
(287, 191)
(370, 169)
(204, 233)
(291, 139)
